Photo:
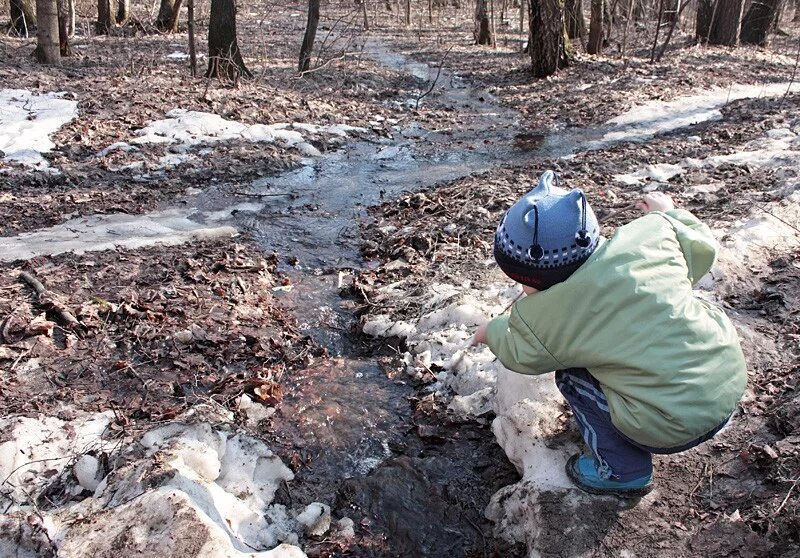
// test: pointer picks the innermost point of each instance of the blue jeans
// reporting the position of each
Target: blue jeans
(620, 457)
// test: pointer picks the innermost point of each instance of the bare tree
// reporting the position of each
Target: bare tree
(66, 10)
(224, 56)
(482, 32)
(47, 50)
(576, 24)
(123, 11)
(105, 19)
(760, 19)
(726, 21)
(705, 12)
(165, 15)
(23, 16)
(595, 44)
(549, 46)
(308, 38)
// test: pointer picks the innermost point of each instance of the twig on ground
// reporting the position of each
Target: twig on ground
(438, 73)
(46, 299)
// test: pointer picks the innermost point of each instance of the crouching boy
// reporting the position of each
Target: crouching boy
(645, 366)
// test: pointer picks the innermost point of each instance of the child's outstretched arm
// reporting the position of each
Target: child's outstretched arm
(515, 345)
(698, 245)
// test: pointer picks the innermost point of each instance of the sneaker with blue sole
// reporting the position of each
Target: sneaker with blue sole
(582, 471)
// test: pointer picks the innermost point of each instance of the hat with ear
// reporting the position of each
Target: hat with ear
(546, 235)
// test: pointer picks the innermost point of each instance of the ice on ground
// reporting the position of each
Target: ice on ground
(178, 55)
(37, 448)
(662, 172)
(644, 121)
(779, 149)
(189, 128)
(188, 487)
(120, 230)
(26, 122)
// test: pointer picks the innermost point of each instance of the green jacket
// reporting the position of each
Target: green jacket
(669, 364)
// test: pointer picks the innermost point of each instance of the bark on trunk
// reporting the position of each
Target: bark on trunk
(671, 10)
(549, 44)
(727, 21)
(482, 32)
(190, 29)
(705, 11)
(796, 11)
(64, 12)
(123, 11)
(595, 44)
(576, 24)
(47, 51)
(308, 38)
(759, 21)
(164, 17)
(224, 57)
(23, 17)
(105, 19)
(176, 13)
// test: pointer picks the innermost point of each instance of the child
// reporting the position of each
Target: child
(645, 366)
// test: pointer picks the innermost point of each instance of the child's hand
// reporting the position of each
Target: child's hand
(656, 201)
(480, 336)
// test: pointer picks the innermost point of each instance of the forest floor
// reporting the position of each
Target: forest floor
(285, 275)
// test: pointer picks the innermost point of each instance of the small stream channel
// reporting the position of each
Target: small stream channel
(415, 485)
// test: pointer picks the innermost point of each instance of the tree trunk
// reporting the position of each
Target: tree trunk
(311, 33)
(482, 32)
(672, 10)
(64, 13)
(549, 44)
(70, 18)
(47, 50)
(759, 21)
(705, 11)
(105, 20)
(123, 11)
(727, 21)
(408, 12)
(796, 18)
(176, 13)
(595, 44)
(576, 25)
(365, 14)
(224, 57)
(23, 17)
(164, 17)
(190, 29)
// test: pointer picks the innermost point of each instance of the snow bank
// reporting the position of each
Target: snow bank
(185, 488)
(120, 230)
(644, 121)
(36, 447)
(527, 408)
(26, 122)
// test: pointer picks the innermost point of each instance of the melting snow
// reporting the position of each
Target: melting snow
(106, 232)
(644, 121)
(26, 122)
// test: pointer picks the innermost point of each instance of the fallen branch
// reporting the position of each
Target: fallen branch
(47, 300)
(438, 73)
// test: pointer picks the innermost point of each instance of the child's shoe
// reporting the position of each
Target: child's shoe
(582, 470)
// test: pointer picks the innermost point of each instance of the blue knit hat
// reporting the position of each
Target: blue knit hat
(546, 235)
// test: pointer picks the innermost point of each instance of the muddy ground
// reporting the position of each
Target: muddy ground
(163, 329)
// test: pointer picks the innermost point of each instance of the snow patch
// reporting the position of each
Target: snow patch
(26, 122)
(642, 122)
(107, 232)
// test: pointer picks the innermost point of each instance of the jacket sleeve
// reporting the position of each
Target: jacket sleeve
(516, 346)
(697, 243)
